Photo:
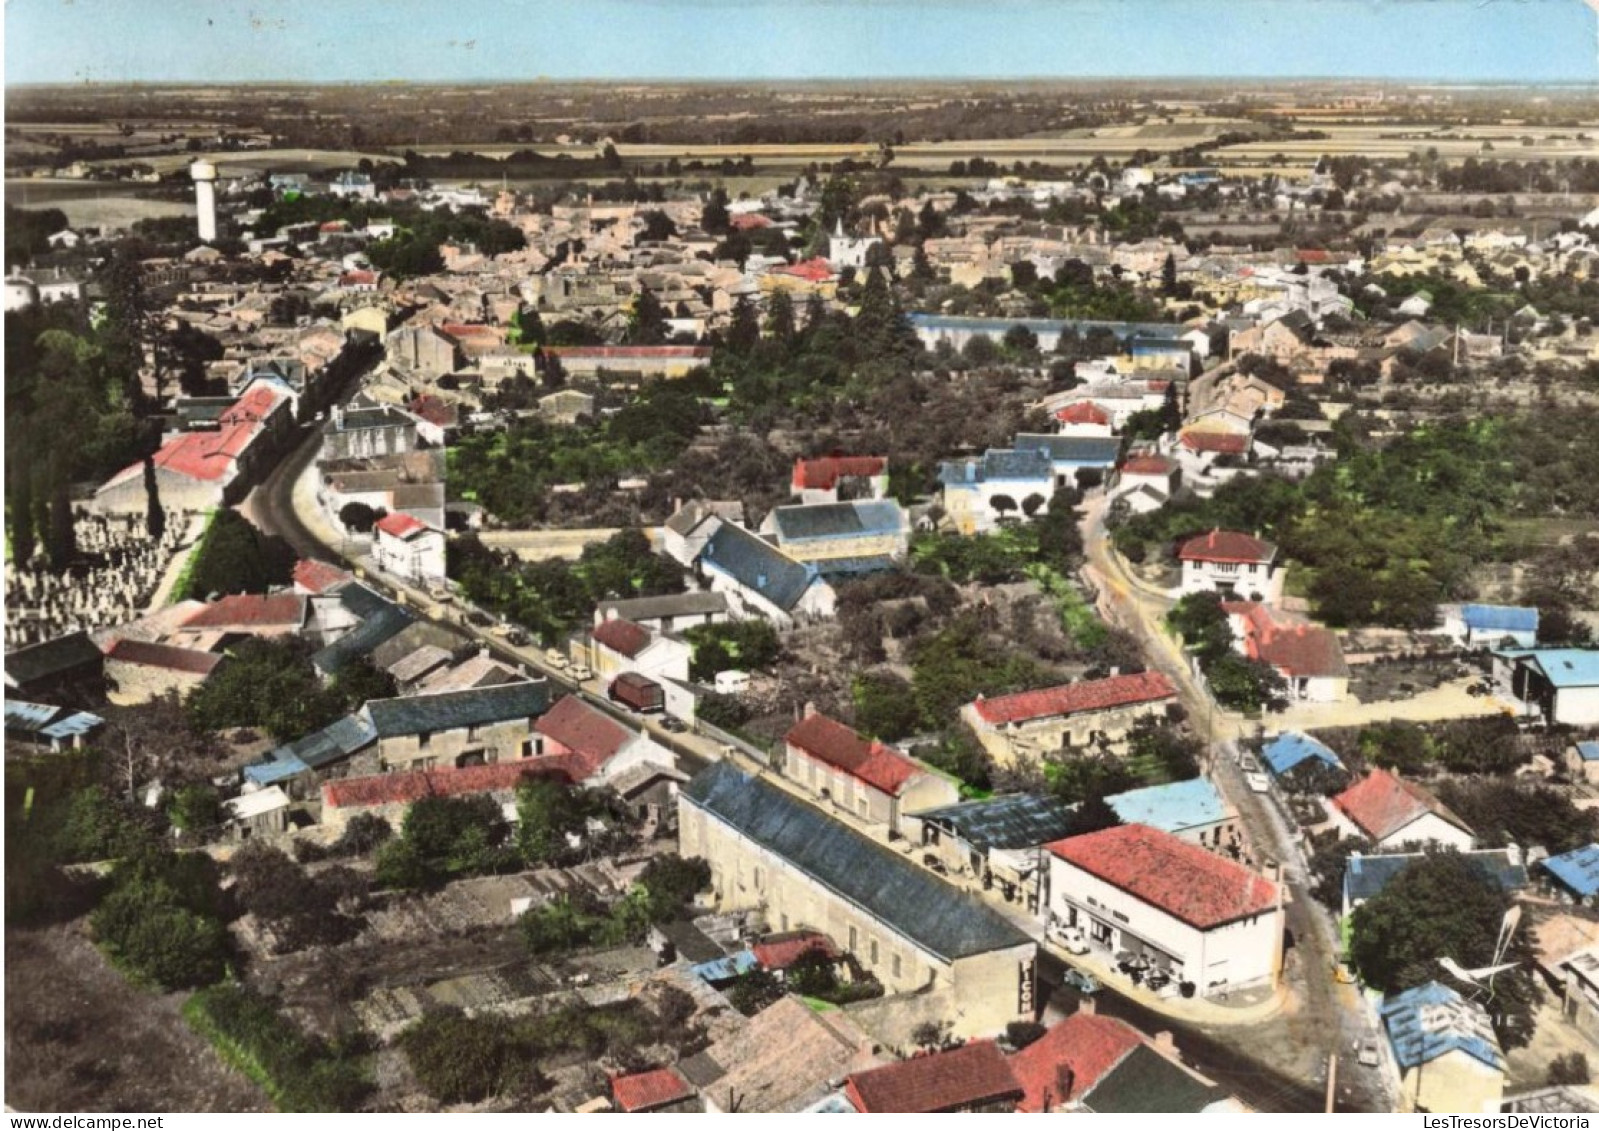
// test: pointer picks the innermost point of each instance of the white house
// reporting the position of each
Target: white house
(1232, 564)
(1200, 918)
(760, 580)
(1389, 812)
(620, 645)
(692, 524)
(848, 251)
(1560, 685)
(408, 548)
(972, 486)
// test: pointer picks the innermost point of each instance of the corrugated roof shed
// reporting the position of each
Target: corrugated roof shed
(1433, 1020)
(1021, 820)
(1287, 751)
(1577, 869)
(1172, 807)
(930, 913)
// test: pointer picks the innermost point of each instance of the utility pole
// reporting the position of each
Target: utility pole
(1332, 1080)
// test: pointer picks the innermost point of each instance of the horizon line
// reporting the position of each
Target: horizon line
(658, 80)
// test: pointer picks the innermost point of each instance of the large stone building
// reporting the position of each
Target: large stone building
(1030, 724)
(458, 728)
(917, 934)
(866, 779)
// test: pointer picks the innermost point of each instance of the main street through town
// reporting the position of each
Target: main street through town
(1321, 1017)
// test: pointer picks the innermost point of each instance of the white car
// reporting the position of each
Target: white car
(556, 659)
(1072, 940)
(1258, 782)
(581, 673)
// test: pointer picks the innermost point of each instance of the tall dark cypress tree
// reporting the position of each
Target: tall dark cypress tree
(780, 320)
(62, 539)
(155, 515)
(24, 535)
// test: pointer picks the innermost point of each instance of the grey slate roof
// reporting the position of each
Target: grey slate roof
(916, 904)
(381, 620)
(51, 658)
(997, 464)
(453, 710)
(758, 565)
(1145, 1081)
(1021, 820)
(838, 520)
(1096, 451)
(672, 605)
(338, 740)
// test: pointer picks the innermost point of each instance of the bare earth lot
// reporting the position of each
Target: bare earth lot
(79, 1038)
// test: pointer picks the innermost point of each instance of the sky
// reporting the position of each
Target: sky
(502, 40)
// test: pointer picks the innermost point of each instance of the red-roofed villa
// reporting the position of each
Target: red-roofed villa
(1236, 565)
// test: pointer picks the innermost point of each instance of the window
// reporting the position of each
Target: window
(854, 940)
(895, 964)
(424, 740)
(874, 952)
(785, 922)
(760, 878)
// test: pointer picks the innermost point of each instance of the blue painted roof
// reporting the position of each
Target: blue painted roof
(1366, 876)
(1588, 751)
(51, 722)
(997, 465)
(275, 770)
(1173, 807)
(1567, 667)
(1577, 869)
(1499, 618)
(1286, 751)
(1433, 1020)
(818, 521)
(726, 968)
(756, 564)
(1085, 451)
(998, 326)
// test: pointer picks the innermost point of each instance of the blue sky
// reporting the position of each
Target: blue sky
(423, 40)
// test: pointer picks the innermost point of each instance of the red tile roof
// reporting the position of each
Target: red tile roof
(404, 788)
(434, 411)
(837, 745)
(812, 270)
(972, 1075)
(190, 660)
(646, 1091)
(1071, 1058)
(256, 405)
(749, 221)
(1222, 443)
(250, 609)
(357, 279)
(1182, 879)
(318, 577)
(1226, 546)
(779, 952)
(400, 525)
(1382, 804)
(460, 330)
(1148, 465)
(583, 729)
(1083, 412)
(1075, 698)
(1306, 651)
(824, 473)
(622, 636)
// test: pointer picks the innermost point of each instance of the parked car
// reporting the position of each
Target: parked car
(581, 673)
(500, 630)
(1369, 1056)
(479, 619)
(1073, 941)
(1258, 781)
(1081, 981)
(556, 659)
(517, 638)
(673, 724)
(934, 864)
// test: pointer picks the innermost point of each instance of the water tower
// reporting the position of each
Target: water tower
(205, 198)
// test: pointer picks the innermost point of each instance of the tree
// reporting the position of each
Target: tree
(1443, 906)
(745, 332)
(714, 218)
(1032, 503)
(754, 990)
(460, 1059)
(1168, 275)
(267, 683)
(1020, 1034)
(160, 921)
(235, 557)
(547, 812)
(1003, 504)
(647, 323)
(780, 325)
(19, 510)
(195, 809)
(357, 517)
(61, 540)
(1241, 684)
(1092, 814)
(885, 706)
(1567, 1069)
(671, 882)
(155, 516)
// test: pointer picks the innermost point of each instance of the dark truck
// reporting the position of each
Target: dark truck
(638, 693)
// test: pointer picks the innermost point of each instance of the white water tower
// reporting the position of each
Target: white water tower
(205, 198)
